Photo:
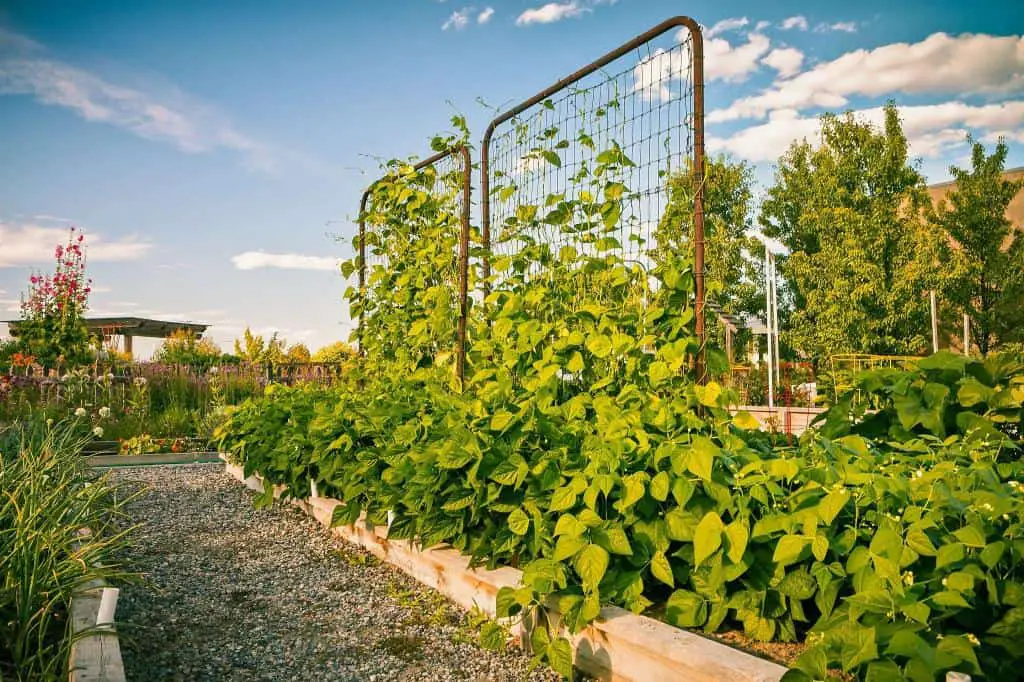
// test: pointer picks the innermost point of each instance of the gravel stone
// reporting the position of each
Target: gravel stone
(236, 593)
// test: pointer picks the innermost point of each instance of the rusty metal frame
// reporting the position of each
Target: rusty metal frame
(467, 192)
(698, 157)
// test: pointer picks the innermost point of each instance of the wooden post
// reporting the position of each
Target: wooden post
(128, 344)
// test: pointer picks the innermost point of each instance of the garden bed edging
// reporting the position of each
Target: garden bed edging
(95, 652)
(618, 647)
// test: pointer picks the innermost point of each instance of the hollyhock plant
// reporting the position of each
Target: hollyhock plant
(51, 326)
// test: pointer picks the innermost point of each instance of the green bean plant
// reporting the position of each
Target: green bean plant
(581, 449)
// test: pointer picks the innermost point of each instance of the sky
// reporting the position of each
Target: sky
(214, 153)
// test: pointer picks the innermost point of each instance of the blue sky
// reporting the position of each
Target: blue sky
(210, 150)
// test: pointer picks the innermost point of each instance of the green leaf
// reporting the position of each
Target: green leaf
(591, 565)
(662, 569)
(552, 158)
(659, 487)
(686, 609)
(575, 363)
(658, 373)
(600, 345)
(970, 536)
(992, 553)
(518, 522)
(708, 395)
(859, 647)
(832, 504)
(563, 498)
(702, 457)
(738, 535)
(745, 420)
(560, 657)
(492, 636)
(707, 538)
(568, 546)
(789, 549)
(819, 547)
(501, 420)
(613, 539)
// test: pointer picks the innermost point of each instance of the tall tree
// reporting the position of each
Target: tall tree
(986, 256)
(733, 276)
(253, 349)
(862, 258)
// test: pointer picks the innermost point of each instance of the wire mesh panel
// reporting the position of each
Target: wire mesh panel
(606, 162)
(413, 259)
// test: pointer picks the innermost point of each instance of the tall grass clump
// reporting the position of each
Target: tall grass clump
(59, 532)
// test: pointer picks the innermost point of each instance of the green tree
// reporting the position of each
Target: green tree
(297, 353)
(733, 275)
(183, 347)
(862, 258)
(339, 351)
(985, 255)
(253, 349)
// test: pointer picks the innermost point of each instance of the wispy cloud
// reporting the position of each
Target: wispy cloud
(727, 25)
(550, 13)
(458, 20)
(485, 15)
(254, 260)
(798, 22)
(842, 26)
(164, 114)
(33, 244)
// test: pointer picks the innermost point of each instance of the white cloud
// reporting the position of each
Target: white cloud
(727, 25)
(32, 244)
(485, 16)
(965, 64)
(931, 129)
(167, 116)
(550, 13)
(722, 61)
(843, 26)
(786, 60)
(253, 260)
(458, 20)
(798, 22)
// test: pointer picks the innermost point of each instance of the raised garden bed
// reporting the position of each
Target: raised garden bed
(619, 646)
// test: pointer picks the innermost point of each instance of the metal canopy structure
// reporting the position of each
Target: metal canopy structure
(130, 327)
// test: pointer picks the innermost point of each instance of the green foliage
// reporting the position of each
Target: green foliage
(580, 450)
(339, 352)
(861, 256)
(734, 271)
(409, 305)
(253, 349)
(984, 265)
(183, 347)
(48, 499)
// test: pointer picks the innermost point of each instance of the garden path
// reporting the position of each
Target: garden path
(235, 593)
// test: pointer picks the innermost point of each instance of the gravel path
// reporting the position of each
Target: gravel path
(233, 593)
